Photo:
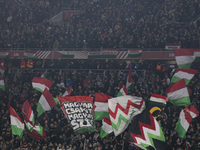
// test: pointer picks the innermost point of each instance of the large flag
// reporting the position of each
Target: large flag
(186, 74)
(106, 127)
(29, 54)
(184, 57)
(28, 115)
(41, 83)
(145, 132)
(156, 104)
(17, 124)
(185, 119)
(135, 53)
(80, 112)
(101, 103)
(129, 78)
(46, 102)
(122, 109)
(123, 91)
(177, 94)
(2, 86)
(68, 91)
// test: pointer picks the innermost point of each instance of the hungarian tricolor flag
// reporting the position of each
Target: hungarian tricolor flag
(123, 91)
(101, 103)
(186, 74)
(46, 102)
(2, 86)
(177, 94)
(80, 112)
(145, 132)
(106, 127)
(2, 69)
(68, 91)
(184, 57)
(129, 78)
(17, 124)
(41, 83)
(185, 119)
(37, 132)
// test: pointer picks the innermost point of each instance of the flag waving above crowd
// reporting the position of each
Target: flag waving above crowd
(41, 83)
(80, 112)
(122, 109)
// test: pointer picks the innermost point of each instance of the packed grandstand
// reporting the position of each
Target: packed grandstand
(123, 29)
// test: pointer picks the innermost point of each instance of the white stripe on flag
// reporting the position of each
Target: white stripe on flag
(44, 103)
(15, 121)
(106, 127)
(159, 100)
(101, 106)
(183, 121)
(38, 85)
(178, 94)
(181, 60)
(185, 75)
(1, 82)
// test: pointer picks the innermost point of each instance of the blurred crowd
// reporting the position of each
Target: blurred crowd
(100, 24)
(60, 135)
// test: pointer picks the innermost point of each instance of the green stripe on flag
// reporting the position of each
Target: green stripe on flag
(176, 79)
(103, 133)
(116, 126)
(38, 89)
(179, 128)
(17, 131)
(181, 101)
(134, 55)
(119, 94)
(185, 66)
(67, 56)
(40, 110)
(99, 115)
(2, 87)
(56, 100)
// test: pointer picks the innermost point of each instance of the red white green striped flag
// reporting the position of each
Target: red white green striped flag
(101, 102)
(129, 79)
(17, 124)
(46, 102)
(2, 86)
(41, 83)
(177, 94)
(184, 57)
(106, 127)
(68, 91)
(123, 91)
(186, 74)
(2, 69)
(185, 119)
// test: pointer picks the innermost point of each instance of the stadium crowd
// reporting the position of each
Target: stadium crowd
(60, 135)
(100, 23)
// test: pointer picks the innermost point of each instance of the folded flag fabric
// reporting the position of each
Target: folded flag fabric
(41, 83)
(145, 132)
(156, 104)
(129, 78)
(80, 112)
(184, 57)
(28, 115)
(2, 86)
(193, 111)
(46, 102)
(186, 74)
(122, 109)
(37, 132)
(106, 127)
(123, 91)
(101, 103)
(2, 69)
(184, 122)
(17, 125)
(177, 94)
(68, 91)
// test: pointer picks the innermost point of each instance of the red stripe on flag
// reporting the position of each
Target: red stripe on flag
(160, 96)
(188, 117)
(49, 98)
(107, 120)
(176, 86)
(100, 97)
(190, 71)
(44, 81)
(183, 52)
